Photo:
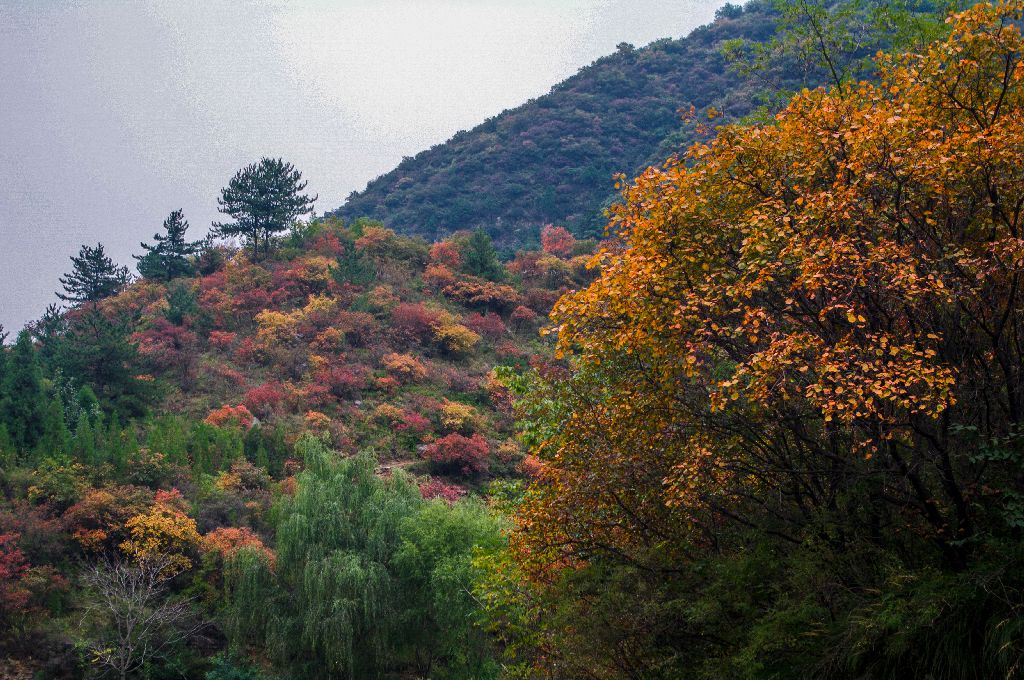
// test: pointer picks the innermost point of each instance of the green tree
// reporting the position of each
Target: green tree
(84, 443)
(369, 578)
(332, 592)
(168, 257)
(22, 408)
(353, 266)
(96, 351)
(479, 257)
(438, 615)
(263, 198)
(55, 440)
(94, 276)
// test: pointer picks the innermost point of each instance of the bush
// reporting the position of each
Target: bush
(457, 454)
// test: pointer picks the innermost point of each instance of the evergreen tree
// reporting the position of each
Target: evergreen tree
(97, 352)
(55, 440)
(116, 444)
(89, 405)
(3, 372)
(6, 448)
(263, 198)
(94, 276)
(480, 258)
(50, 332)
(181, 302)
(22, 408)
(168, 257)
(354, 267)
(84, 445)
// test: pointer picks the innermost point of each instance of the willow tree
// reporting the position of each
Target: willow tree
(328, 607)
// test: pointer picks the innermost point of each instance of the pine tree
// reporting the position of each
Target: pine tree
(94, 276)
(22, 408)
(263, 198)
(480, 258)
(84, 443)
(168, 257)
(97, 352)
(55, 440)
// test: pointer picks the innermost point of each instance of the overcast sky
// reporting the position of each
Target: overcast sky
(112, 114)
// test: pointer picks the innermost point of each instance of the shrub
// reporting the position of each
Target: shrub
(483, 294)
(457, 417)
(488, 325)
(414, 322)
(435, 488)
(445, 254)
(263, 399)
(230, 416)
(456, 454)
(455, 338)
(345, 382)
(557, 240)
(437, 276)
(222, 339)
(405, 367)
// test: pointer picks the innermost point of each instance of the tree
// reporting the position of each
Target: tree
(55, 438)
(795, 368)
(263, 198)
(134, 621)
(23, 405)
(332, 591)
(97, 351)
(168, 257)
(368, 577)
(557, 240)
(94, 276)
(479, 257)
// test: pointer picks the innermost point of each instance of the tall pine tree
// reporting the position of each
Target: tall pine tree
(94, 276)
(168, 257)
(263, 198)
(23, 406)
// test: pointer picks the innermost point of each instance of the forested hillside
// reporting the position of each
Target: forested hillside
(158, 427)
(552, 160)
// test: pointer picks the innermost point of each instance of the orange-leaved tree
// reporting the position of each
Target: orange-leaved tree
(810, 328)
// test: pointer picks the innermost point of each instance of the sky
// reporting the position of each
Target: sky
(113, 114)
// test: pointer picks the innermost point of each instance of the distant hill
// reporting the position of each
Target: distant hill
(551, 160)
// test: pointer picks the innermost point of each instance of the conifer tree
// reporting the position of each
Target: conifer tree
(263, 198)
(6, 447)
(480, 258)
(94, 276)
(96, 351)
(168, 257)
(22, 408)
(84, 443)
(55, 440)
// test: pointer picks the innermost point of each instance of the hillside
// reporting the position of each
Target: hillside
(552, 159)
(180, 415)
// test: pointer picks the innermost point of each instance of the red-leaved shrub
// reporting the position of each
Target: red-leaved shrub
(457, 454)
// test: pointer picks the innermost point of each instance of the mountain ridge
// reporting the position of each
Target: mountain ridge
(552, 159)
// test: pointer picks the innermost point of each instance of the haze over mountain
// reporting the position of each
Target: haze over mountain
(114, 116)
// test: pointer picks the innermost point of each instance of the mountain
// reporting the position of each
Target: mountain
(552, 159)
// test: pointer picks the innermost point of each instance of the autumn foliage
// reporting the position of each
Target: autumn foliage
(807, 329)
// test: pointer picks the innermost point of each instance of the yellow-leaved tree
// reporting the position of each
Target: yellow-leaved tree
(803, 361)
